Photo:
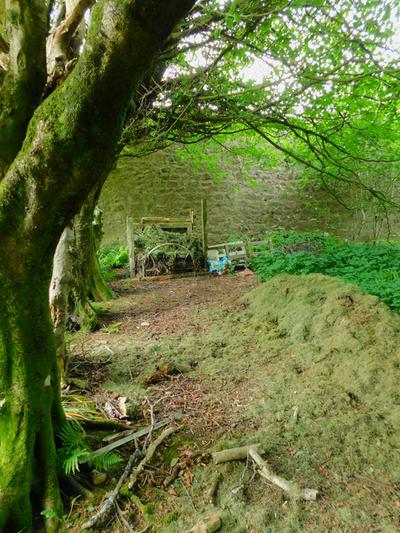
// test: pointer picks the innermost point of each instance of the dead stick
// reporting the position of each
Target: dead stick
(212, 491)
(290, 487)
(124, 440)
(136, 433)
(110, 501)
(233, 454)
(149, 455)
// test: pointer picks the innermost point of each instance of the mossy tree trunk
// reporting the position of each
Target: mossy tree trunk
(77, 279)
(30, 407)
(91, 282)
(69, 146)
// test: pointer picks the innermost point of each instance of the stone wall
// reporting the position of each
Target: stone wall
(164, 184)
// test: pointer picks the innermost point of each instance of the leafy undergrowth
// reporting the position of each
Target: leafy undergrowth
(313, 346)
(111, 258)
(373, 267)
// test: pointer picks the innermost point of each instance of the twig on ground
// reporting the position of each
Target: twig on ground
(105, 424)
(110, 501)
(242, 483)
(189, 496)
(133, 436)
(290, 487)
(138, 433)
(152, 422)
(392, 487)
(123, 519)
(235, 454)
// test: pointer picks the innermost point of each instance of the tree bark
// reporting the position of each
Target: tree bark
(25, 77)
(70, 146)
(77, 279)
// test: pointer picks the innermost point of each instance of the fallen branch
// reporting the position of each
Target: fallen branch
(123, 519)
(110, 501)
(233, 454)
(105, 423)
(142, 432)
(149, 455)
(290, 487)
(152, 423)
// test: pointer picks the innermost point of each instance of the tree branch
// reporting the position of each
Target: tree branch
(25, 74)
(59, 40)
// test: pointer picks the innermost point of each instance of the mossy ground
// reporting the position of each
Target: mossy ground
(310, 345)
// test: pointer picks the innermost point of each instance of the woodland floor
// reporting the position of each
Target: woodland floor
(182, 345)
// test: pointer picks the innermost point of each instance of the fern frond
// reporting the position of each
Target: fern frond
(74, 450)
(105, 461)
(73, 435)
(71, 463)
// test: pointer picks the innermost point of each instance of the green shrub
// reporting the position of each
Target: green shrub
(374, 268)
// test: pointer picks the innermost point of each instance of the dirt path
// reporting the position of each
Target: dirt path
(172, 305)
(147, 319)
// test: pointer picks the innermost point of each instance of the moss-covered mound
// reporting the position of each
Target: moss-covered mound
(329, 330)
(320, 361)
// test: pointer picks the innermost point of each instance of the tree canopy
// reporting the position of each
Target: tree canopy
(317, 80)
